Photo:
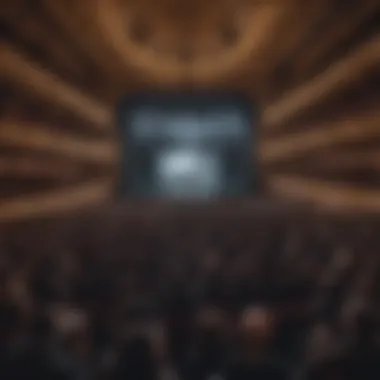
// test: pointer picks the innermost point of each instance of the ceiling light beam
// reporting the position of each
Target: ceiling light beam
(332, 37)
(37, 168)
(336, 78)
(359, 128)
(40, 82)
(326, 195)
(55, 202)
(38, 138)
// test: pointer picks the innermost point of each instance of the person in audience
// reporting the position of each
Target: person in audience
(11, 322)
(136, 361)
(40, 358)
(207, 353)
(331, 369)
(365, 353)
(256, 360)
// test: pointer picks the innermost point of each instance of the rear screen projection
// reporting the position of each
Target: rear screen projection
(183, 147)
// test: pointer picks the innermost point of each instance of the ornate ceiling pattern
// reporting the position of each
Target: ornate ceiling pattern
(313, 66)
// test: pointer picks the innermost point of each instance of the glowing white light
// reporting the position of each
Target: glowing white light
(188, 172)
(180, 162)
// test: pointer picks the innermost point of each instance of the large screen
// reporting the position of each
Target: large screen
(186, 146)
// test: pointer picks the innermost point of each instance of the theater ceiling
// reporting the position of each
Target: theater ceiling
(313, 67)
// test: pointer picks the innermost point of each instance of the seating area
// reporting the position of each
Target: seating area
(244, 296)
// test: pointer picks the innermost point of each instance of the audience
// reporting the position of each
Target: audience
(195, 299)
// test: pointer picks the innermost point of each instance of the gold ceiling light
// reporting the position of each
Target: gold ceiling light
(242, 36)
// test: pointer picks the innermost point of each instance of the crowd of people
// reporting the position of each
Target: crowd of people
(195, 299)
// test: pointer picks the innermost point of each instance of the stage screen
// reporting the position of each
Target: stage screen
(183, 147)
